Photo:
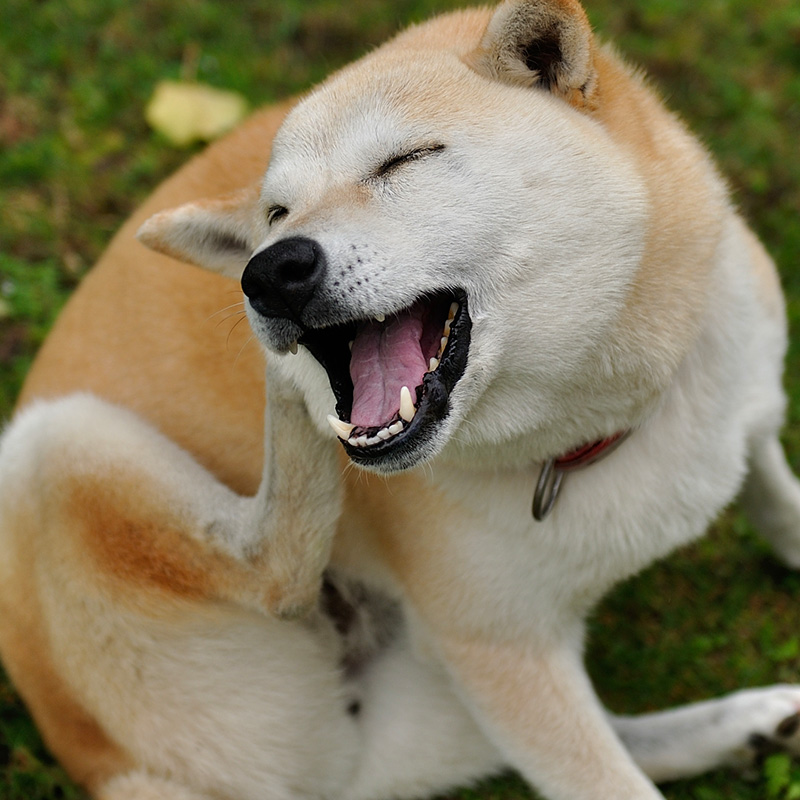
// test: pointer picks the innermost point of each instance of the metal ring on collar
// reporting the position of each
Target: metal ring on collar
(547, 488)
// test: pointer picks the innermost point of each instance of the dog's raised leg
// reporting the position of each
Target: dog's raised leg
(128, 573)
(771, 498)
(286, 530)
(150, 514)
(290, 523)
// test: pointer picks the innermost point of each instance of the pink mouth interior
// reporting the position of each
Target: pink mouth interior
(387, 356)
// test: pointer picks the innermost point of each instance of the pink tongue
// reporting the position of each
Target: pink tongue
(386, 357)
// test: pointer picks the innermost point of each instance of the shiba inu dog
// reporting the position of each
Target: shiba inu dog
(481, 257)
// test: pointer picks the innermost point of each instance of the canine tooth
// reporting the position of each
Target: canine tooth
(380, 317)
(451, 314)
(407, 409)
(384, 434)
(434, 363)
(340, 428)
(293, 348)
(396, 428)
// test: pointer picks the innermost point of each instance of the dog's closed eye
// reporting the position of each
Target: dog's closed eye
(393, 163)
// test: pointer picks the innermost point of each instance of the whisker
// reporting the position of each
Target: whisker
(250, 338)
(231, 316)
(235, 326)
(226, 308)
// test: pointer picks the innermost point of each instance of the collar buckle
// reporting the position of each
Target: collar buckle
(553, 470)
(547, 489)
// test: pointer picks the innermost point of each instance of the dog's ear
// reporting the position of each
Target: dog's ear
(215, 234)
(544, 43)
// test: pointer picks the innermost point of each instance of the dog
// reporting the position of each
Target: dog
(494, 274)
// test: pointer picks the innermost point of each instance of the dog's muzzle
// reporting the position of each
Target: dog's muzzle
(280, 280)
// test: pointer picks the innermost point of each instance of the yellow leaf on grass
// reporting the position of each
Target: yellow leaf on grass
(188, 112)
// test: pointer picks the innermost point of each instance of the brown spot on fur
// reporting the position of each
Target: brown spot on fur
(136, 546)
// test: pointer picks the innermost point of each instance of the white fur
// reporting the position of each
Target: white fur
(545, 220)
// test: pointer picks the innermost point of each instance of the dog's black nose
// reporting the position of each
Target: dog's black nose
(280, 280)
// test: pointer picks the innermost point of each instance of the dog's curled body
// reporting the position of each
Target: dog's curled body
(599, 282)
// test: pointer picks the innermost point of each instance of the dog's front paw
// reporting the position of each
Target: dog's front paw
(766, 721)
(290, 598)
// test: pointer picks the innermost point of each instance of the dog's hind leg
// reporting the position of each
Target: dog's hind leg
(771, 493)
(130, 585)
(731, 731)
(162, 519)
(771, 498)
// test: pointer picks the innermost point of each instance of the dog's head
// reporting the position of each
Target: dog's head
(450, 236)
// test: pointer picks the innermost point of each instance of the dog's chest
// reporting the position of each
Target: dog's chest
(463, 547)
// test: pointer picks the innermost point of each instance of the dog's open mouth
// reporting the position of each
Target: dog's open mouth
(392, 376)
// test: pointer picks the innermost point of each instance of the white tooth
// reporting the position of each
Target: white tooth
(442, 345)
(384, 434)
(341, 429)
(293, 348)
(373, 440)
(380, 317)
(396, 428)
(453, 311)
(361, 441)
(407, 409)
(353, 441)
(433, 365)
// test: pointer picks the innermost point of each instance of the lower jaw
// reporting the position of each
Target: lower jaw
(416, 441)
(412, 436)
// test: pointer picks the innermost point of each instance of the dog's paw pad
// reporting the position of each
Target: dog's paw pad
(761, 747)
(789, 726)
(774, 721)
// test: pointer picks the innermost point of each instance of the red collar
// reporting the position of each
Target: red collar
(553, 470)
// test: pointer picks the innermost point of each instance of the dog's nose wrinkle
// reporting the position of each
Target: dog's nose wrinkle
(281, 280)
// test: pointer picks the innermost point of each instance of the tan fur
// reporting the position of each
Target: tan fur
(680, 248)
(151, 350)
(68, 729)
(139, 549)
(497, 673)
(151, 334)
(575, 79)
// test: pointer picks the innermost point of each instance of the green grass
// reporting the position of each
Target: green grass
(76, 157)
